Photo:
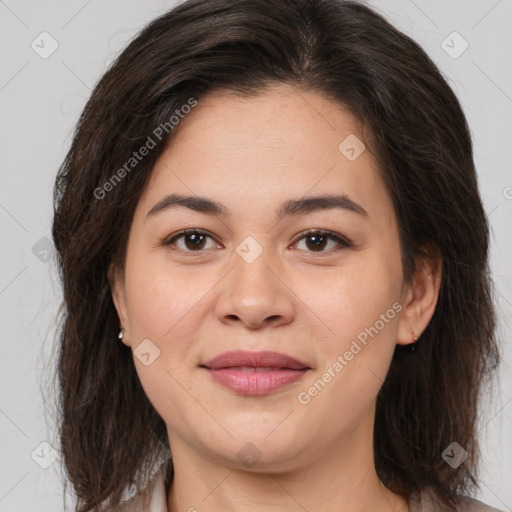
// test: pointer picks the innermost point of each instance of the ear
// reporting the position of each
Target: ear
(116, 280)
(420, 297)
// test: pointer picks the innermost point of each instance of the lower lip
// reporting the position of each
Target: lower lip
(255, 383)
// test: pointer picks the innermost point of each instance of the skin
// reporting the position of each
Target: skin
(252, 154)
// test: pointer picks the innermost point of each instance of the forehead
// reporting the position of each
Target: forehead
(283, 119)
(280, 144)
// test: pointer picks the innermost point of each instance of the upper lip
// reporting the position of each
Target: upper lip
(267, 358)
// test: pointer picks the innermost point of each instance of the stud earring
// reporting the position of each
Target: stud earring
(121, 333)
(412, 346)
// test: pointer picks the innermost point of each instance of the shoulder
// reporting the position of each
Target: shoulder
(428, 501)
(472, 505)
(154, 497)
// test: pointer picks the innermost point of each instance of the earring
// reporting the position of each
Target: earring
(121, 333)
(412, 346)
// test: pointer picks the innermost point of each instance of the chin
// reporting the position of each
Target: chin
(256, 450)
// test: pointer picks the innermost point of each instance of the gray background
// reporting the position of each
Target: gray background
(40, 101)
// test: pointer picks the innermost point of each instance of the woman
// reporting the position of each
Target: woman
(274, 260)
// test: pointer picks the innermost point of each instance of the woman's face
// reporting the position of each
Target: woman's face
(254, 282)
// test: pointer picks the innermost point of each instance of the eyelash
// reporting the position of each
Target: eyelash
(344, 242)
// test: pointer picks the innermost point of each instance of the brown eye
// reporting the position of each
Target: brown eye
(317, 240)
(194, 240)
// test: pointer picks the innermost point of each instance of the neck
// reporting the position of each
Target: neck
(341, 479)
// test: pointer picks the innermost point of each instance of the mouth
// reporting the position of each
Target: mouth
(255, 373)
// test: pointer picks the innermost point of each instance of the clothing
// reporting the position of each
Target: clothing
(157, 502)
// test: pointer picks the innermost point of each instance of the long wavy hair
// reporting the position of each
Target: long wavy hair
(110, 435)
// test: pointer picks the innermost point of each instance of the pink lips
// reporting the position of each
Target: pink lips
(255, 373)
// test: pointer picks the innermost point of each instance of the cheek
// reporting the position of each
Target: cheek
(161, 299)
(164, 307)
(361, 309)
(352, 299)
(355, 354)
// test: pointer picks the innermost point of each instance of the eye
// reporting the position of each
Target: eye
(194, 240)
(318, 239)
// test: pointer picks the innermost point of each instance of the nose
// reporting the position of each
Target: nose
(255, 295)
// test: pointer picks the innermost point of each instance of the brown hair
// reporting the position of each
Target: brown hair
(110, 434)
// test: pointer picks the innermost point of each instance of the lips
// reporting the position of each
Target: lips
(260, 361)
(255, 373)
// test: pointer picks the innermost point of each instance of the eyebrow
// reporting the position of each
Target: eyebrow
(288, 208)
